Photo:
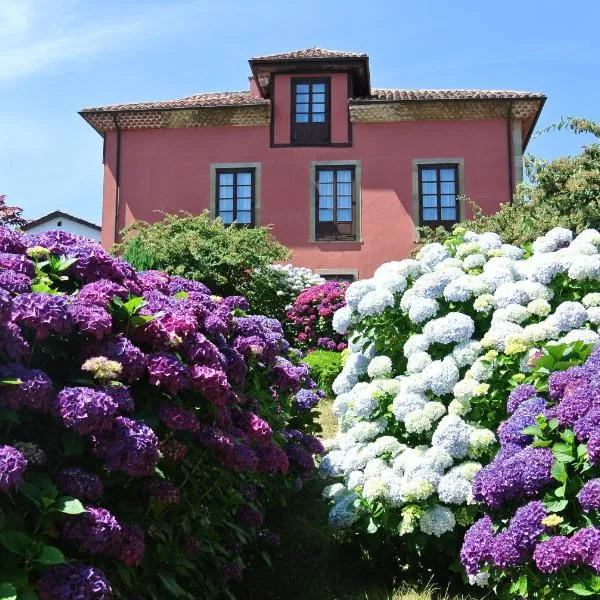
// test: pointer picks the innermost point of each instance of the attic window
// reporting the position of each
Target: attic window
(311, 112)
(59, 223)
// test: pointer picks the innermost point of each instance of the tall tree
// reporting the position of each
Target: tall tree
(10, 215)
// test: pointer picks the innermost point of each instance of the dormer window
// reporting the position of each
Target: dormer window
(311, 112)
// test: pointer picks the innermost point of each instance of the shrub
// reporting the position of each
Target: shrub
(145, 427)
(435, 344)
(540, 537)
(561, 193)
(324, 366)
(271, 290)
(196, 247)
(310, 317)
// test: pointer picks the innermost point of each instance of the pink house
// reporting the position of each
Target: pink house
(344, 172)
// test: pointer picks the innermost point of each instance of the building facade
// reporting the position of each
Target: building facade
(343, 172)
(62, 221)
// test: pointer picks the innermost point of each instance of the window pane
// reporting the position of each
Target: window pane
(325, 176)
(430, 214)
(302, 98)
(325, 215)
(447, 187)
(429, 187)
(344, 201)
(244, 216)
(226, 191)
(318, 118)
(429, 201)
(226, 204)
(301, 108)
(302, 118)
(302, 88)
(325, 189)
(325, 201)
(449, 200)
(318, 108)
(447, 174)
(318, 98)
(318, 88)
(244, 204)
(448, 214)
(227, 217)
(345, 175)
(225, 178)
(428, 174)
(344, 215)
(244, 191)
(244, 178)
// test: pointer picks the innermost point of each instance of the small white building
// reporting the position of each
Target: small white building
(62, 220)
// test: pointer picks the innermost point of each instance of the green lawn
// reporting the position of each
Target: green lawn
(315, 563)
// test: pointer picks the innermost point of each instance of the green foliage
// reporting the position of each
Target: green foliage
(196, 247)
(564, 192)
(324, 367)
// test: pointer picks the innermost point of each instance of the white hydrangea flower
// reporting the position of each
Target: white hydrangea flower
(407, 460)
(374, 488)
(331, 465)
(388, 387)
(480, 579)
(395, 284)
(423, 309)
(434, 410)
(514, 313)
(380, 367)
(417, 489)
(375, 302)
(439, 458)
(453, 327)
(417, 421)
(388, 444)
(453, 435)
(459, 407)
(594, 315)
(585, 267)
(437, 520)
(539, 307)
(453, 488)
(442, 375)
(581, 335)
(474, 261)
(357, 290)
(432, 254)
(343, 513)
(569, 315)
(482, 369)
(480, 440)
(469, 469)
(417, 362)
(431, 285)
(592, 299)
(407, 402)
(365, 431)
(414, 384)
(342, 319)
(355, 479)
(416, 343)
(484, 303)
(331, 491)
(466, 353)
(512, 252)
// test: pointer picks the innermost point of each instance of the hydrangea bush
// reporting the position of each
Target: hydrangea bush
(540, 537)
(435, 343)
(144, 427)
(311, 316)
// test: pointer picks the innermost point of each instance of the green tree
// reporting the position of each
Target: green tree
(564, 192)
(199, 248)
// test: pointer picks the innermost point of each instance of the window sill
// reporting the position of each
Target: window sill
(313, 241)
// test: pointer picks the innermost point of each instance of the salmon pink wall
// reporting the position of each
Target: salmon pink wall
(282, 106)
(169, 170)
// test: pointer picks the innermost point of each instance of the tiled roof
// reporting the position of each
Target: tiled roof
(204, 100)
(396, 95)
(311, 53)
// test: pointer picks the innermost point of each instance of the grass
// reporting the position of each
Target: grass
(314, 563)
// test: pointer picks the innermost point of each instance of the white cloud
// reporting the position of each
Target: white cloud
(40, 34)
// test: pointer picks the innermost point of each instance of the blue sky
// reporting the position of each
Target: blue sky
(57, 56)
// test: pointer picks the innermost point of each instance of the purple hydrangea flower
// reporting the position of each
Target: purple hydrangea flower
(230, 452)
(300, 459)
(199, 350)
(12, 467)
(93, 321)
(94, 263)
(74, 582)
(593, 448)
(256, 428)
(177, 418)
(130, 446)
(34, 393)
(272, 459)
(477, 546)
(79, 483)
(166, 370)
(235, 367)
(11, 241)
(289, 377)
(553, 554)
(559, 380)
(229, 571)
(121, 395)
(575, 403)
(96, 531)
(181, 284)
(16, 283)
(131, 547)
(44, 313)
(120, 349)
(523, 392)
(589, 495)
(86, 410)
(249, 516)
(13, 345)
(211, 383)
(17, 263)
(163, 491)
(32, 452)
(100, 293)
(57, 241)
(154, 280)
(585, 544)
(307, 399)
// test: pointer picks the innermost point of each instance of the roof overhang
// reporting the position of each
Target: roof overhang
(357, 67)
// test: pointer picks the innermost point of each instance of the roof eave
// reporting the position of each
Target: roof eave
(534, 123)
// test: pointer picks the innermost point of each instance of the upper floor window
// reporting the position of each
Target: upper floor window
(438, 195)
(235, 196)
(335, 203)
(310, 111)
